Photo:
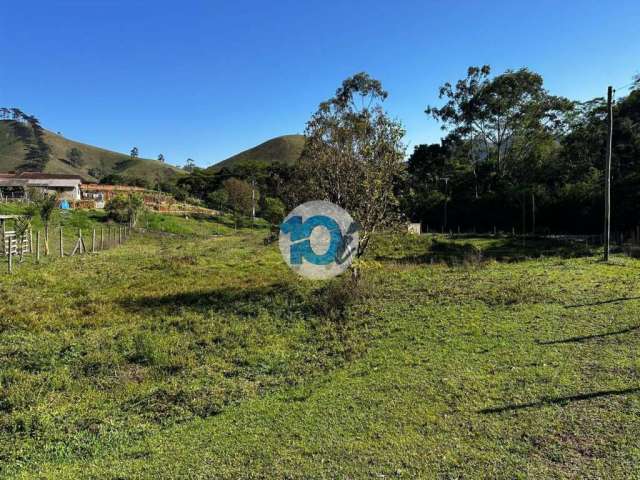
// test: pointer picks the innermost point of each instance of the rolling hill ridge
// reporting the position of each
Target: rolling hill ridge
(285, 149)
(95, 162)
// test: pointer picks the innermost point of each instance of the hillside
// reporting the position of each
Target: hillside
(96, 162)
(286, 149)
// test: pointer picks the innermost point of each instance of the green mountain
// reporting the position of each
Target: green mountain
(94, 163)
(285, 149)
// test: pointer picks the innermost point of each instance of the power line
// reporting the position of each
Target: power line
(624, 86)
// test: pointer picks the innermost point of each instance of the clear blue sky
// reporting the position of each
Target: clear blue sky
(209, 79)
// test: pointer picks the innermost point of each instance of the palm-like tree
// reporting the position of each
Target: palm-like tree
(46, 208)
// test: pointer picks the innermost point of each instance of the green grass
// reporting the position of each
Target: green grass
(194, 356)
(198, 225)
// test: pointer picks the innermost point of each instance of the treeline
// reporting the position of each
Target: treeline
(246, 189)
(516, 157)
(513, 158)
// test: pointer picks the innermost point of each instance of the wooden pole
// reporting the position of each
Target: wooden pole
(10, 259)
(38, 246)
(31, 241)
(61, 243)
(46, 240)
(607, 176)
(93, 242)
(101, 238)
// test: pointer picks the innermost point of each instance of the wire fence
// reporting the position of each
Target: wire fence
(36, 247)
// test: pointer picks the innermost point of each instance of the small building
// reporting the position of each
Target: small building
(17, 185)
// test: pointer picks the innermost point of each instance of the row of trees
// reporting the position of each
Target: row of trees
(513, 156)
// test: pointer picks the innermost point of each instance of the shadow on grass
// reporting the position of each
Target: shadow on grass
(603, 302)
(588, 337)
(506, 249)
(279, 298)
(560, 400)
(514, 249)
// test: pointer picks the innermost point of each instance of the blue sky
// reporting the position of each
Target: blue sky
(208, 79)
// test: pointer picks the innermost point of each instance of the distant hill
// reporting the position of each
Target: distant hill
(96, 162)
(285, 149)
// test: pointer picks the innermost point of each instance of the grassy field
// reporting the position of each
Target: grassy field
(201, 355)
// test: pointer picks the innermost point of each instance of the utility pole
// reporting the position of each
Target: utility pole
(607, 176)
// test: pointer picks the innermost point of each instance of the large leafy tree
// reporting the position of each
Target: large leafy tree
(507, 115)
(239, 194)
(503, 129)
(353, 156)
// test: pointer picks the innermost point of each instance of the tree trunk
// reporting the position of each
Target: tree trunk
(355, 274)
(524, 217)
(46, 239)
(533, 213)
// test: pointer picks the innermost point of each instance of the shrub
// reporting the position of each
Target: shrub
(125, 209)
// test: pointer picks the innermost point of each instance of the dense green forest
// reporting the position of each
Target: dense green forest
(517, 157)
(513, 157)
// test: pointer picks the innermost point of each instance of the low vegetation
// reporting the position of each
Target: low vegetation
(203, 356)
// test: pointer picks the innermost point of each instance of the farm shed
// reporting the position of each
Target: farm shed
(17, 185)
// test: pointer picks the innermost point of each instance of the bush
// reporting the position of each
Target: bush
(273, 210)
(125, 209)
(333, 300)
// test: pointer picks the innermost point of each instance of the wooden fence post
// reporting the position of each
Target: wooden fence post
(38, 246)
(80, 247)
(93, 242)
(61, 243)
(10, 259)
(101, 238)
(31, 241)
